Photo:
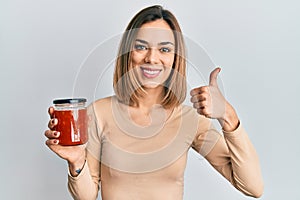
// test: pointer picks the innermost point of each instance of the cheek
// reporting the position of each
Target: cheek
(137, 57)
(169, 60)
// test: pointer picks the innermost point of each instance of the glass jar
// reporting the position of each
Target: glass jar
(72, 121)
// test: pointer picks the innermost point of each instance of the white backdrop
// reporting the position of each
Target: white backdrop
(44, 43)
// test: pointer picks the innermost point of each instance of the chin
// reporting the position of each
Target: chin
(151, 85)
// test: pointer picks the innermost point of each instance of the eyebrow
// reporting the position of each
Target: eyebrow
(161, 43)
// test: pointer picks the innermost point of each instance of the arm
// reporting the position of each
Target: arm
(235, 158)
(86, 184)
(232, 155)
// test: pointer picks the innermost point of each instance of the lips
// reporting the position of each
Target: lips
(149, 72)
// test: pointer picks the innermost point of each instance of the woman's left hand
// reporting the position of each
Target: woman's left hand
(209, 102)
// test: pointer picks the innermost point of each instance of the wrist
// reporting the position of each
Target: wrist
(230, 120)
(76, 167)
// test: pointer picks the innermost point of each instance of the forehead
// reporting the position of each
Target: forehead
(156, 32)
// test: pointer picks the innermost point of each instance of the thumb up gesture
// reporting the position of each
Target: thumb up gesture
(209, 102)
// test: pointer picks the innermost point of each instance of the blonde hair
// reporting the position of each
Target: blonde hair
(126, 86)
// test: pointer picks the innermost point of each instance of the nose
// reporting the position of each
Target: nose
(152, 56)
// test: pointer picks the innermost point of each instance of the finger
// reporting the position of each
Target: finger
(51, 142)
(203, 112)
(213, 76)
(52, 134)
(52, 123)
(199, 90)
(201, 104)
(198, 97)
(51, 112)
(53, 145)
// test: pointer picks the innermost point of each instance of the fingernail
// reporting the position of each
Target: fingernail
(56, 134)
(56, 141)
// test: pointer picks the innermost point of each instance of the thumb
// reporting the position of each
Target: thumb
(213, 76)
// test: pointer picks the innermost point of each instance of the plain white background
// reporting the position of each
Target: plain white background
(44, 43)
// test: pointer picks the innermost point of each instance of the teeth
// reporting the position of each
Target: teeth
(151, 71)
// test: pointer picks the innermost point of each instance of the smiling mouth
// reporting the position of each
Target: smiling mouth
(150, 73)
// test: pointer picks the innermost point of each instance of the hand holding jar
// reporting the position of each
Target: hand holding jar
(67, 132)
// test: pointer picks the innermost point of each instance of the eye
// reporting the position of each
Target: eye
(165, 50)
(140, 47)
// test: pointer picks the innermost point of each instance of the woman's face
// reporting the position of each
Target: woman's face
(153, 53)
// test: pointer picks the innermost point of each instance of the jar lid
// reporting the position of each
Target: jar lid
(70, 101)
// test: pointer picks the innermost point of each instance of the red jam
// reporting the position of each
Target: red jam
(72, 125)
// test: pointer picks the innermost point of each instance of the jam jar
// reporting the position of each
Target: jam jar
(72, 121)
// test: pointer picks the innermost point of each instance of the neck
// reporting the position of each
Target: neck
(153, 96)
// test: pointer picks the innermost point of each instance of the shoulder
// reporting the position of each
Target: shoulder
(104, 100)
(192, 112)
(203, 123)
(188, 115)
(188, 111)
(100, 106)
(101, 103)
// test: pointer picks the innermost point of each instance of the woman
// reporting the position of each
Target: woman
(139, 138)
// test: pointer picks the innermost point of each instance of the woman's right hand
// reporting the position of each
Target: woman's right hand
(75, 155)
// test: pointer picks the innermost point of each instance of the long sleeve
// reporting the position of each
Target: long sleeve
(85, 186)
(232, 155)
